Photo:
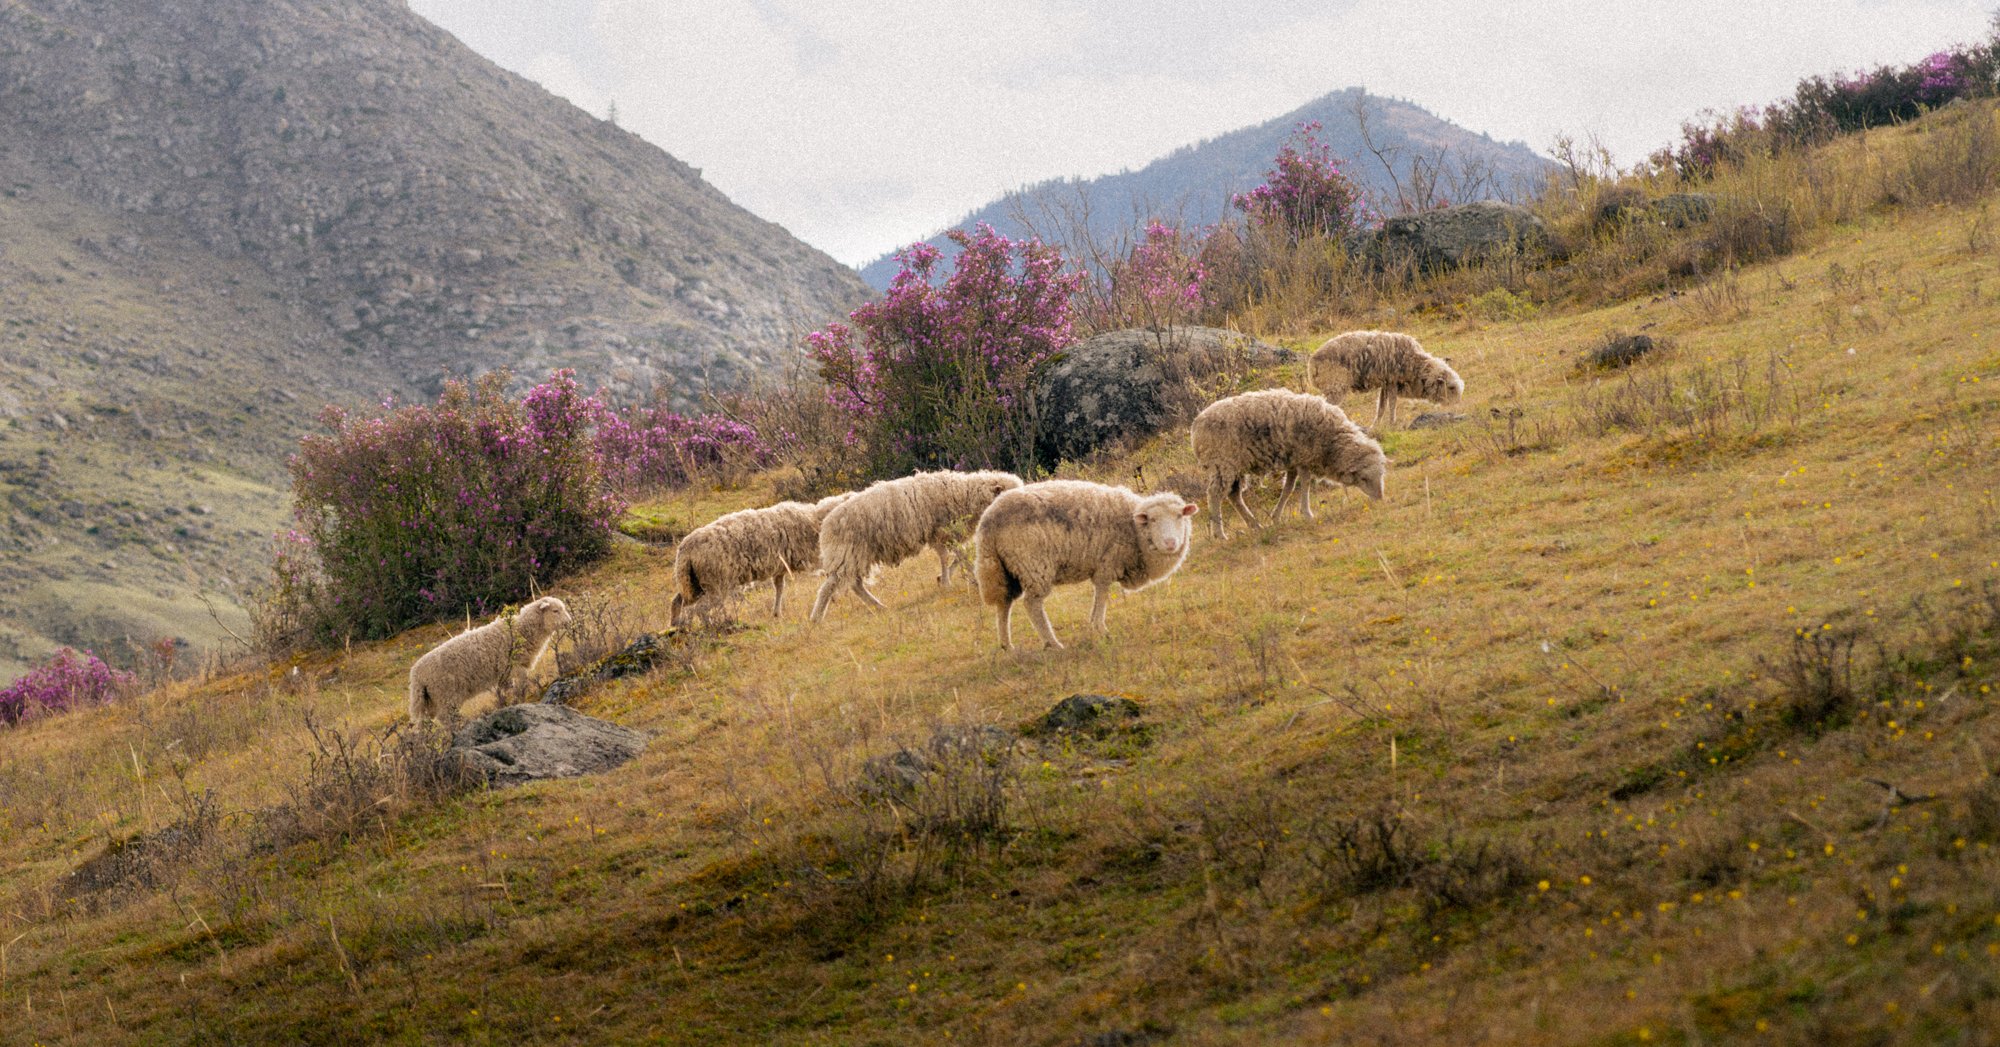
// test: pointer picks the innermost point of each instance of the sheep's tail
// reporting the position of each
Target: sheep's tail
(687, 589)
(420, 700)
(997, 585)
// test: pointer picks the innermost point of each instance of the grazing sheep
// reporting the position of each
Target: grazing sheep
(893, 520)
(1392, 364)
(1280, 431)
(1062, 531)
(489, 658)
(751, 545)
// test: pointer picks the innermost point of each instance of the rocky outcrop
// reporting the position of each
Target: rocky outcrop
(1130, 384)
(526, 743)
(1454, 237)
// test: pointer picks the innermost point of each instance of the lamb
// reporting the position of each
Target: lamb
(1277, 430)
(489, 658)
(1061, 531)
(751, 545)
(893, 520)
(1392, 364)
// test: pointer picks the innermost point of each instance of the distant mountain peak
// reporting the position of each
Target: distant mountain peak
(1193, 183)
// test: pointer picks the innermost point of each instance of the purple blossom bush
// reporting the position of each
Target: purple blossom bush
(1160, 284)
(942, 375)
(1304, 194)
(433, 511)
(651, 448)
(69, 680)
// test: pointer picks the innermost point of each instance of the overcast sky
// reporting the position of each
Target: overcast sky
(861, 125)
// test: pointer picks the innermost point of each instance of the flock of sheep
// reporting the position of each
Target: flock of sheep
(1030, 538)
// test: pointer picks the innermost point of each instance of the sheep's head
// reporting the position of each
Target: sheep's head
(1442, 385)
(1374, 478)
(547, 613)
(1164, 523)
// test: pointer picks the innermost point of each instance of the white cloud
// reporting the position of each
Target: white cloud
(862, 124)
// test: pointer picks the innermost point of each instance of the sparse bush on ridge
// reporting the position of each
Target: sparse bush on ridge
(1822, 108)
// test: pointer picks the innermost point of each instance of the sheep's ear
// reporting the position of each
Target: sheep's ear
(1190, 509)
(1141, 519)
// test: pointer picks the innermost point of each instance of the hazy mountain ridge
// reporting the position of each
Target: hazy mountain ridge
(219, 215)
(441, 212)
(1194, 182)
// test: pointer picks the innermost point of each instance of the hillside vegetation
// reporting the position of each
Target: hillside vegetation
(1650, 706)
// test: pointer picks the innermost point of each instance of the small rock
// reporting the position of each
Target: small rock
(1680, 210)
(1436, 420)
(903, 770)
(1093, 712)
(1622, 350)
(526, 743)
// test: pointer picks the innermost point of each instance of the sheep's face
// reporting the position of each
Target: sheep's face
(1374, 478)
(1444, 387)
(548, 612)
(1164, 526)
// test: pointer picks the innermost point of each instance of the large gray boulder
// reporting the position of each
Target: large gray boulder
(1453, 237)
(1130, 384)
(526, 743)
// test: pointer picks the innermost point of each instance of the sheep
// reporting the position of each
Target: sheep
(1057, 532)
(489, 658)
(1277, 430)
(893, 520)
(751, 545)
(1392, 364)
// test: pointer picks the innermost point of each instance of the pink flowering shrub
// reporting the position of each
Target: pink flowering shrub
(1159, 285)
(1304, 194)
(942, 375)
(434, 511)
(652, 448)
(67, 681)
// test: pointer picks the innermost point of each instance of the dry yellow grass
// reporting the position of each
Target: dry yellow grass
(1550, 664)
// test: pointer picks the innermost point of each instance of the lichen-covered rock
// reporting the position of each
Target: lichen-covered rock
(526, 743)
(1452, 237)
(1122, 385)
(1088, 712)
(641, 655)
(1436, 419)
(1681, 210)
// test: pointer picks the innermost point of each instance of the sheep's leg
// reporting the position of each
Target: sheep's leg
(778, 601)
(1385, 400)
(1242, 508)
(1215, 495)
(1284, 493)
(827, 590)
(1040, 616)
(861, 589)
(1395, 403)
(1097, 607)
(1005, 615)
(1306, 482)
(942, 547)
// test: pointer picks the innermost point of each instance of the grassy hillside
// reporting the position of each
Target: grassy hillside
(1649, 707)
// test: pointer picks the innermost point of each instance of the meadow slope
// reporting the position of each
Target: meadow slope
(1652, 706)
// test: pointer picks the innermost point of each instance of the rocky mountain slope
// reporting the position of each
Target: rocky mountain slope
(1194, 183)
(219, 215)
